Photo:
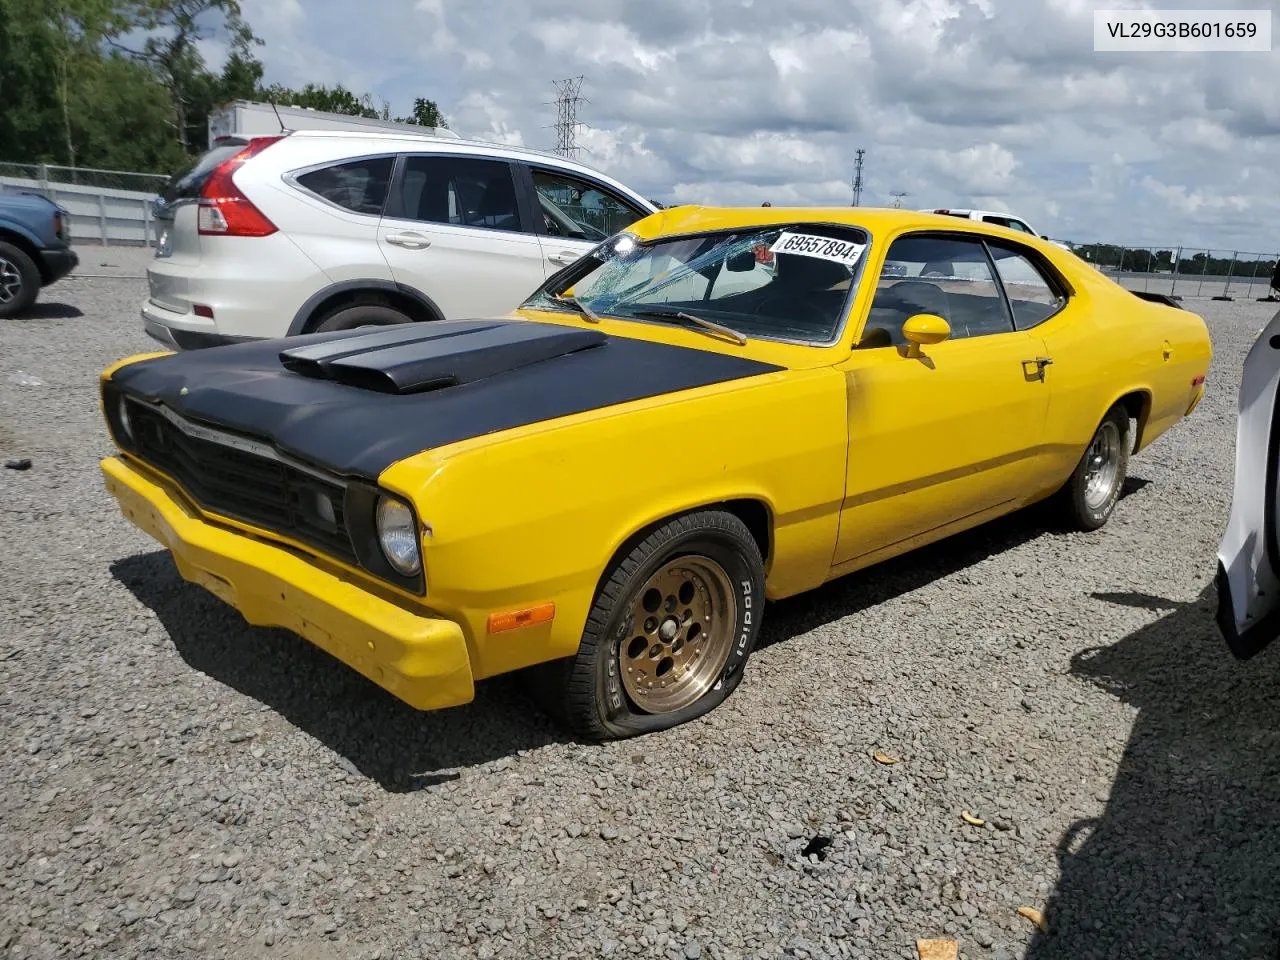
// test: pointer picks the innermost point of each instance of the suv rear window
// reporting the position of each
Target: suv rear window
(188, 185)
(356, 185)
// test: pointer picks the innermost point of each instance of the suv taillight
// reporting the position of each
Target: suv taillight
(224, 210)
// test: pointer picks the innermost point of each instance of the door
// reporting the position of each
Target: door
(453, 231)
(577, 214)
(955, 433)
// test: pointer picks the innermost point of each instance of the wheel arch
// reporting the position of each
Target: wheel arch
(24, 243)
(755, 512)
(412, 302)
(1137, 402)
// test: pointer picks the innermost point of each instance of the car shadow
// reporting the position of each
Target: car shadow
(401, 748)
(1184, 860)
(405, 749)
(50, 311)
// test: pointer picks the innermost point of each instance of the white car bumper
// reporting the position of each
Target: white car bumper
(1249, 555)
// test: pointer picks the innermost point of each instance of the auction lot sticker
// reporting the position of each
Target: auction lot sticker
(824, 248)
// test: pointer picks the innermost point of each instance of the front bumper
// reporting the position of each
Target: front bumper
(59, 262)
(420, 660)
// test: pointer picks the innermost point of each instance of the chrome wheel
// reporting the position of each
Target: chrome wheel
(681, 632)
(1102, 466)
(10, 281)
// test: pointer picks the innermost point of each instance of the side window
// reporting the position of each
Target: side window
(1031, 294)
(357, 185)
(462, 191)
(1019, 225)
(946, 276)
(580, 210)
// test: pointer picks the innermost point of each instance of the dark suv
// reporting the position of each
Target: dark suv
(35, 249)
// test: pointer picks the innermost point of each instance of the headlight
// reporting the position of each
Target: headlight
(122, 415)
(398, 536)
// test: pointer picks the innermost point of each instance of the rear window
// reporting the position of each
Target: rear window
(356, 185)
(188, 185)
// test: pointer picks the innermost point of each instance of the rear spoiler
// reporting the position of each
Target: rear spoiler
(1166, 299)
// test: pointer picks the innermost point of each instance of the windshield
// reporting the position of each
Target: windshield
(788, 282)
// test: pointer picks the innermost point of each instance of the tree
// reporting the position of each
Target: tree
(78, 30)
(426, 113)
(335, 99)
(174, 29)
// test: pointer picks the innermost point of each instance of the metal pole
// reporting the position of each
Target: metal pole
(102, 216)
(1253, 276)
(1204, 271)
(1177, 259)
(1146, 281)
(1230, 270)
(146, 222)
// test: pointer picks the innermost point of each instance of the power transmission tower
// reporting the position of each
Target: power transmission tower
(857, 177)
(897, 197)
(567, 124)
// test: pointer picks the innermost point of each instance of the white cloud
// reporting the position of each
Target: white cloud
(957, 102)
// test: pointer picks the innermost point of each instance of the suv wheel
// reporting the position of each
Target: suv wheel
(19, 280)
(361, 315)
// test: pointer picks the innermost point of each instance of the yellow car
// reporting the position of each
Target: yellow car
(715, 408)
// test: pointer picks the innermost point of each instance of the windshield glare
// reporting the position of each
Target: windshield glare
(790, 282)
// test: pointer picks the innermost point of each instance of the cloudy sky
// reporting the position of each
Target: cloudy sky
(1000, 104)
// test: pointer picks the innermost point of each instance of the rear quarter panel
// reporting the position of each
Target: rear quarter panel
(536, 514)
(1109, 344)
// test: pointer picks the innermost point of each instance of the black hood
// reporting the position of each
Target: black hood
(355, 402)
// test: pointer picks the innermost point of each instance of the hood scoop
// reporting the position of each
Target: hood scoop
(418, 357)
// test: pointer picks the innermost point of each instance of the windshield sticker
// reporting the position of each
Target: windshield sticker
(824, 248)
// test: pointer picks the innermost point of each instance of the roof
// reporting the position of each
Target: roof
(691, 219)
(453, 142)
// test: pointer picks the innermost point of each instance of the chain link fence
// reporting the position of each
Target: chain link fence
(1189, 272)
(48, 173)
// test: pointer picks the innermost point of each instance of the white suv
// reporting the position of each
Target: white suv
(1000, 219)
(328, 230)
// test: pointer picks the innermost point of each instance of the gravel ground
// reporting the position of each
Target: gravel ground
(178, 784)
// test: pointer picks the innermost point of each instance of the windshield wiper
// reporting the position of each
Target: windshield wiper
(711, 325)
(582, 307)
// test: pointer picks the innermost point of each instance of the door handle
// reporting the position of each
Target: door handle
(1039, 363)
(410, 240)
(564, 257)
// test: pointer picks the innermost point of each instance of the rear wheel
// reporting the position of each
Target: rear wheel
(670, 631)
(361, 315)
(19, 280)
(1090, 496)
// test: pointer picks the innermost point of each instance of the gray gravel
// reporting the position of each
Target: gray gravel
(179, 784)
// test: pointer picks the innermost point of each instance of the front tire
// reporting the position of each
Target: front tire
(1090, 496)
(670, 631)
(19, 281)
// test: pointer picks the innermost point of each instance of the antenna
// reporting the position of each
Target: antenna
(567, 115)
(272, 100)
(897, 197)
(857, 177)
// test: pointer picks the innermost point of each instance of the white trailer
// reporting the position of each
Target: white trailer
(248, 118)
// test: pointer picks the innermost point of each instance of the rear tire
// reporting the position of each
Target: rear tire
(361, 315)
(19, 280)
(1090, 496)
(669, 634)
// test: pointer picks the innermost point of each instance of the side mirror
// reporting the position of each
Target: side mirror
(924, 328)
(743, 262)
